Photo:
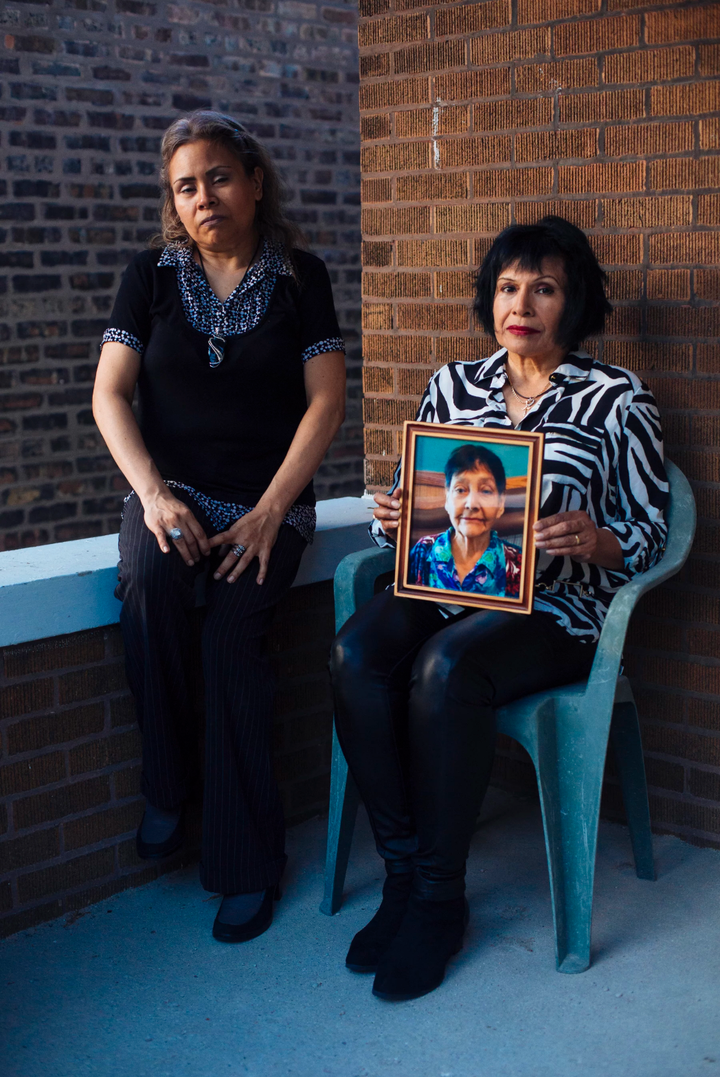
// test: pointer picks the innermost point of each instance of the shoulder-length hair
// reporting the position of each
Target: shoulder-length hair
(270, 218)
(527, 245)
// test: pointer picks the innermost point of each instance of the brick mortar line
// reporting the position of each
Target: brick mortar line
(118, 873)
(49, 824)
(67, 856)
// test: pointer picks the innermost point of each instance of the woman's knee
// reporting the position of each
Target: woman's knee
(348, 660)
(443, 673)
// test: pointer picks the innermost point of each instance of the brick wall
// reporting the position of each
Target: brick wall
(477, 115)
(88, 86)
(70, 760)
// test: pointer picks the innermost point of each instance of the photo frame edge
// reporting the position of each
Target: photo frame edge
(534, 440)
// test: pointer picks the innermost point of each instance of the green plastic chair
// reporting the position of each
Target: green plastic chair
(565, 731)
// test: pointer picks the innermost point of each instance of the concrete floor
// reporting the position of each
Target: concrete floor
(136, 987)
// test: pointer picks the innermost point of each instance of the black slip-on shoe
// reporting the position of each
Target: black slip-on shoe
(253, 927)
(158, 850)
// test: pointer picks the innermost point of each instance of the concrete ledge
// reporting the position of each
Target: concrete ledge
(68, 586)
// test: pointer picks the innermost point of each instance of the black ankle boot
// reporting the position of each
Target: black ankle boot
(414, 963)
(372, 941)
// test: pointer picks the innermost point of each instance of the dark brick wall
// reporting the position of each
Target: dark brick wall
(477, 115)
(70, 759)
(88, 86)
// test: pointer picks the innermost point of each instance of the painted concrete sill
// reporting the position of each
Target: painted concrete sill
(68, 586)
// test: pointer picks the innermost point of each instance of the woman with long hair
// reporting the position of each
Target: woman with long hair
(227, 331)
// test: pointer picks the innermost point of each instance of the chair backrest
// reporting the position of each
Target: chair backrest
(680, 515)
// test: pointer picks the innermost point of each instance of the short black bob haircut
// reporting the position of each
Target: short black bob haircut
(527, 245)
(470, 457)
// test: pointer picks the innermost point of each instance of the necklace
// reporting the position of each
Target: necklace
(216, 342)
(529, 401)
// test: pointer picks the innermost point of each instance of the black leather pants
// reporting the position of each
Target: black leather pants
(414, 709)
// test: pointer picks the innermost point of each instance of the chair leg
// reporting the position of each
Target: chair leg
(570, 767)
(344, 800)
(626, 741)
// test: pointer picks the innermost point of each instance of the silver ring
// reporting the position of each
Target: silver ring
(175, 533)
(239, 550)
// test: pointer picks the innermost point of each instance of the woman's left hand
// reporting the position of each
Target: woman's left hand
(257, 531)
(567, 534)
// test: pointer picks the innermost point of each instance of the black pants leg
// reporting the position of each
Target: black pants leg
(415, 698)
(243, 824)
(243, 828)
(157, 591)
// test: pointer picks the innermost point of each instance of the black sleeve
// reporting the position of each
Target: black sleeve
(319, 330)
(130, 318)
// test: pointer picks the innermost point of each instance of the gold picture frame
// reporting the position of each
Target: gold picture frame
(433, 559)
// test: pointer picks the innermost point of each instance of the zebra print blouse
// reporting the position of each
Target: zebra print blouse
(603, 454)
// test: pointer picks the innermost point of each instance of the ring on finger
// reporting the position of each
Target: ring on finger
(577, 539)
(175, 533)
(238, 549)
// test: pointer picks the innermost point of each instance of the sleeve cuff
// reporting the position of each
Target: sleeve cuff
(378, 535)
(330, 344)
(640, 551)
(120, 336)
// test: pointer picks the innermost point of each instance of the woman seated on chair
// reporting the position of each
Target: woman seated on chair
(470, 556)
(415, 685)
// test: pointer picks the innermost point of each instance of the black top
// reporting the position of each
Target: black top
(224, 430)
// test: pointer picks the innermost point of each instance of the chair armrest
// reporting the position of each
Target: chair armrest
(355, 579)
(681, 516)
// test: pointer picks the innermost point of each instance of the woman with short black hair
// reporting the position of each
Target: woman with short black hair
(416, 684)
(228, 331)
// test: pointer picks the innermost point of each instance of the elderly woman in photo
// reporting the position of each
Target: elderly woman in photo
(416, 686)
(470, 556)
(228, 333)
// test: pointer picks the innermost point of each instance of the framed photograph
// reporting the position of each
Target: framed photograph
(470, 496)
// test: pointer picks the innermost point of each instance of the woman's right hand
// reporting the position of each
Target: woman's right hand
(163, 512)
(387, 511)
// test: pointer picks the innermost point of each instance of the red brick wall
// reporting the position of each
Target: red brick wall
(70, 760)
(477, 115)
(87, 91)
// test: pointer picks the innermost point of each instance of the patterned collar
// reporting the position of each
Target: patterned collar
(576, 367)
(486, 576)
(244, 307)
(442, 546)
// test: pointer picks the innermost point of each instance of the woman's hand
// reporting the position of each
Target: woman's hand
(573, 534)
(567, 534)
(387, 511)
(257, 531)
(163, 512)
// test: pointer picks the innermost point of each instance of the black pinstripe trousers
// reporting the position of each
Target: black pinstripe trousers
(243, 841)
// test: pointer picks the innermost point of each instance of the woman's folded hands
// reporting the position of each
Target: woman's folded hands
(253, 535)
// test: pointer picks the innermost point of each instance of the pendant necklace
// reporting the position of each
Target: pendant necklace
(529, 401)
(216, 342)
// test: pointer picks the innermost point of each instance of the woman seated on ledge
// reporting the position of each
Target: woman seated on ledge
(470, 556)
(230, 336)
(416, 686)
